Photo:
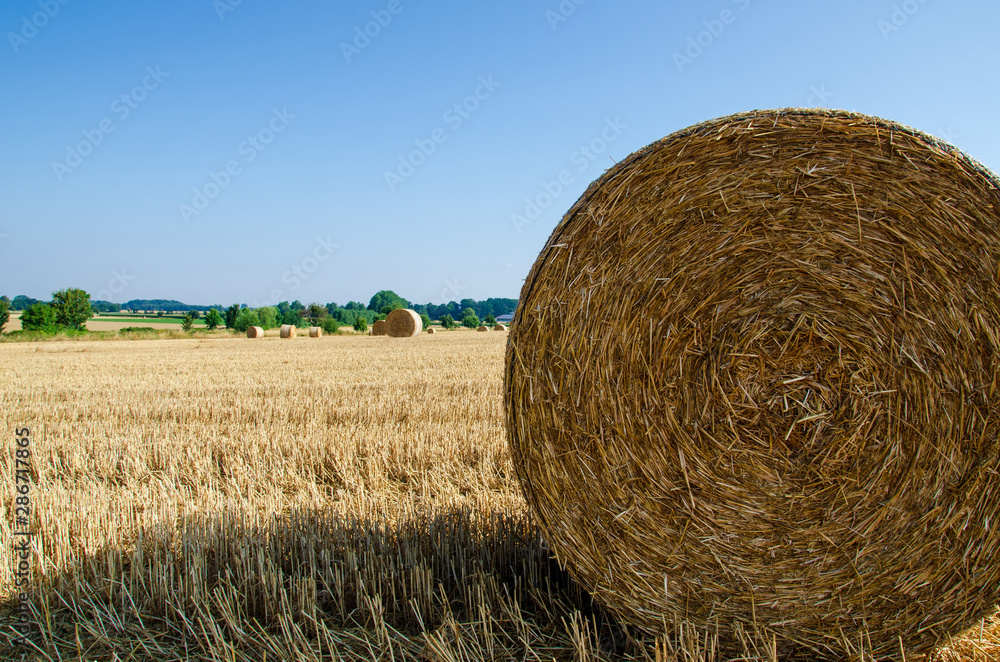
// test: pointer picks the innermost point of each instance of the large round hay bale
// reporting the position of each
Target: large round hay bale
(431, 330)
(378, 328)
(287, 331)
(499, 327)
(787, 421)
(483, 327)
(315, 332)
(255, 332)
(403, 323)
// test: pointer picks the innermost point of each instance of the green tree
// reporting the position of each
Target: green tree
(425, 320)
(72, 308)
(231, 313)
(22, 302)
(268, 316)
(245, 320)
(188, 322)
(213, 319)
(490, 320)
(361, 323)
(4, 312)
(447, 321)
(195, 314)
(388, 298)
(315, 313)
(38, 317)
(159, 313)
(329, 325)
(470, 320)
(291, 314)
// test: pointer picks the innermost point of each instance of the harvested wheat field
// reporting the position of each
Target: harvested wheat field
(346, 500)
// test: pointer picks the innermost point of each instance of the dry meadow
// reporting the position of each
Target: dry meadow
(342, 498)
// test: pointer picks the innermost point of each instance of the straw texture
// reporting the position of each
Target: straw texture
(403, 323)
(378, 328)
(255, 332)
(751, 385)
(315, 332)
(499, 327)
(287, 331)
(483, 327)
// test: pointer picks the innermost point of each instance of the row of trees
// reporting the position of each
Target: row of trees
(71, 308)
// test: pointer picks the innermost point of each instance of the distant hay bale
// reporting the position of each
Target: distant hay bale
(754, 384)
(403, 323)
(483, 327)
(287, 331)
(431, 331)
(315, 332)
(255, 332)
(499, 327)
(378, 328)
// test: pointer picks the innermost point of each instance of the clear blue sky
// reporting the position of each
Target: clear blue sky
(114, 113)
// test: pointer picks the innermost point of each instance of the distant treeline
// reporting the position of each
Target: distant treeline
(379, 304)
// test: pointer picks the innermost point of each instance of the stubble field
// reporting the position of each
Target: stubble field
(346, 498)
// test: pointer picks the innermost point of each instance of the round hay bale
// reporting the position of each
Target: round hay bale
(788, 421)
(499, 327)
(378, 328)
(255, 332)
(403, 323)
(483, 327)
(287, 331)
(431, 330)
(315, 332)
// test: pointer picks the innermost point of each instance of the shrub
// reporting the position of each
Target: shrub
(213, 319)
(245, 320)
(360, 323)
(268, 317)
(329, 325)
(38, 317)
